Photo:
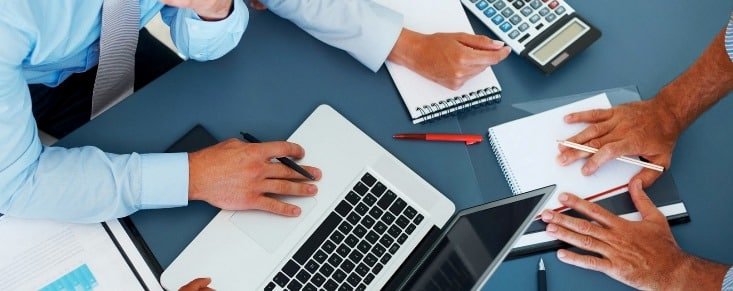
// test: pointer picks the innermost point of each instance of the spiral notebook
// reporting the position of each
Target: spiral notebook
(424, 99)
(526, 149)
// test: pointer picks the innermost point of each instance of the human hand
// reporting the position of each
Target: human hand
(641, 128)
(449, 59)
(209, 10)
(642, 254)
(200, 284)
(234, 175)
(256, 4)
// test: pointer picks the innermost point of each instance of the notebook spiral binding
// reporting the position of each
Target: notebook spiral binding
(458, 104)
(508, 174)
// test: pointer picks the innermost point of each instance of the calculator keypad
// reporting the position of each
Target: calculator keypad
(518, 21)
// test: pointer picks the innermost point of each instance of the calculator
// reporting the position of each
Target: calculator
(546, 32)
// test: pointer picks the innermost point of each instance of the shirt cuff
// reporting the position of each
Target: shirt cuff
(209, 40)
(729, 38)
(728, 280)
(164, 180)
(381, 37)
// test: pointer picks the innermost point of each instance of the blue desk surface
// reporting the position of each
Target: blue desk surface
(279, 74)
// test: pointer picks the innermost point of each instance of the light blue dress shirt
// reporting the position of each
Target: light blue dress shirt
(728, 279)
(46, 41)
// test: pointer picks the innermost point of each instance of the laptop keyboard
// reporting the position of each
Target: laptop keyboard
(349, 249)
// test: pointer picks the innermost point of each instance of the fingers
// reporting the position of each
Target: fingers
(279, 149)
(589, 116)
(257, 5)
(479, 42)
(277, 186)
(580, 240)
(197, 285)
(591, 210)
(276, 206)
(647, 177)
(277, 170)
(646, 207)
(584, 261)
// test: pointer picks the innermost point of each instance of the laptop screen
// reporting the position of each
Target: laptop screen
(476, 242)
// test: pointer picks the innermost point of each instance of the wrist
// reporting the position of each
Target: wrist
(693, 273)
(193, 174)
(405, 47)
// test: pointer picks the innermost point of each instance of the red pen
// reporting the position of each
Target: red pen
(467, 138)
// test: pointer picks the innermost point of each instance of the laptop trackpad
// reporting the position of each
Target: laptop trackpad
(269, 230)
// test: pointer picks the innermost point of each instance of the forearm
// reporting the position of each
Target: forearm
(364, 29)
(702, 85)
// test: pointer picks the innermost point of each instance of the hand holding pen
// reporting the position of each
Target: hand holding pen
(236, 175)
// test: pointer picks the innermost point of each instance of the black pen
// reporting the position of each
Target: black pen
(286, 161)
(541, 277)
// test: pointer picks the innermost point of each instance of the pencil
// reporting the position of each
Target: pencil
(286, 161)
(622, 158)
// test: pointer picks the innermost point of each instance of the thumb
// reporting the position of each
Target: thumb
(196, 285)
(480, 42)
(646, 207)
(647, 177)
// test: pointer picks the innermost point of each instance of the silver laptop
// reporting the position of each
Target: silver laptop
(374, 224)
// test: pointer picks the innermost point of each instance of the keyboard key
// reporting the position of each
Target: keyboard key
(379, 189)
(398, 206)
(550, 17)
(372, 237)
(328, 246)
(303, 276)
(378, 250)
(345, 227)
(311, 266)
(535, 4)
(544, 11)
(345, 287)
(377, 268)
(368, 278)
(359, 231)
(385, 259)
(515, 19)
(331, 285)
(351, 241)
(310, 245)
(497, 19)
(309, 287)
(523, 26)
(343, 208)
(499, 5)
(370, 260)
(387, 199)
(362, 269)
(560, 10)
(320, 256)
(352, 197)
(360, 188)
(388, 218)
(290, 268)
(386, 241)
(347, 266)
(335, 260)
(513, 34)
(394, 248)
(369, 199)
(418, 219)
(270, 286)
(410, 228)
(402, 221)
(506, 26)
(281, 279)
(294, 285)
(361, 208)
(410, 212)
(367, 221)
(380, 227)
(394, 231)
(534, 18)
(339, 276)
(356, 256)
(489, 12)
(368, 179)
(318, 280)
(364, 246)
(402, 239)
(326, 270)
(376, 212)
(354, 279)
(343, 250)
(337, 237)
(353, 218)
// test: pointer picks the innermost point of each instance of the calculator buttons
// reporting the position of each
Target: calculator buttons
(518, 4)
(489, 12)
(550, 17)
(506, 26)
(498, 19)
(515, 19)
(534, 18)
(499, 5)
(491, 1)
(560, 10)
(507, 12)
(513, 34)
(523, 27)
(553, 4)
(535, 4)
(481, 5)
(526, 11)
(544, 11)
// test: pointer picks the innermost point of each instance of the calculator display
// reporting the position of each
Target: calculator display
(559, 41)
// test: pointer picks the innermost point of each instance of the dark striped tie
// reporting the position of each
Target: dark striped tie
(117, 43)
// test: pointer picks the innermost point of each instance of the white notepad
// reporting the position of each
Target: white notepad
(425, 99)
(526, 149)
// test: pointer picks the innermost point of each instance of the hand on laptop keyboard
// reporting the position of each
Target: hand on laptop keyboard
(235, 175)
